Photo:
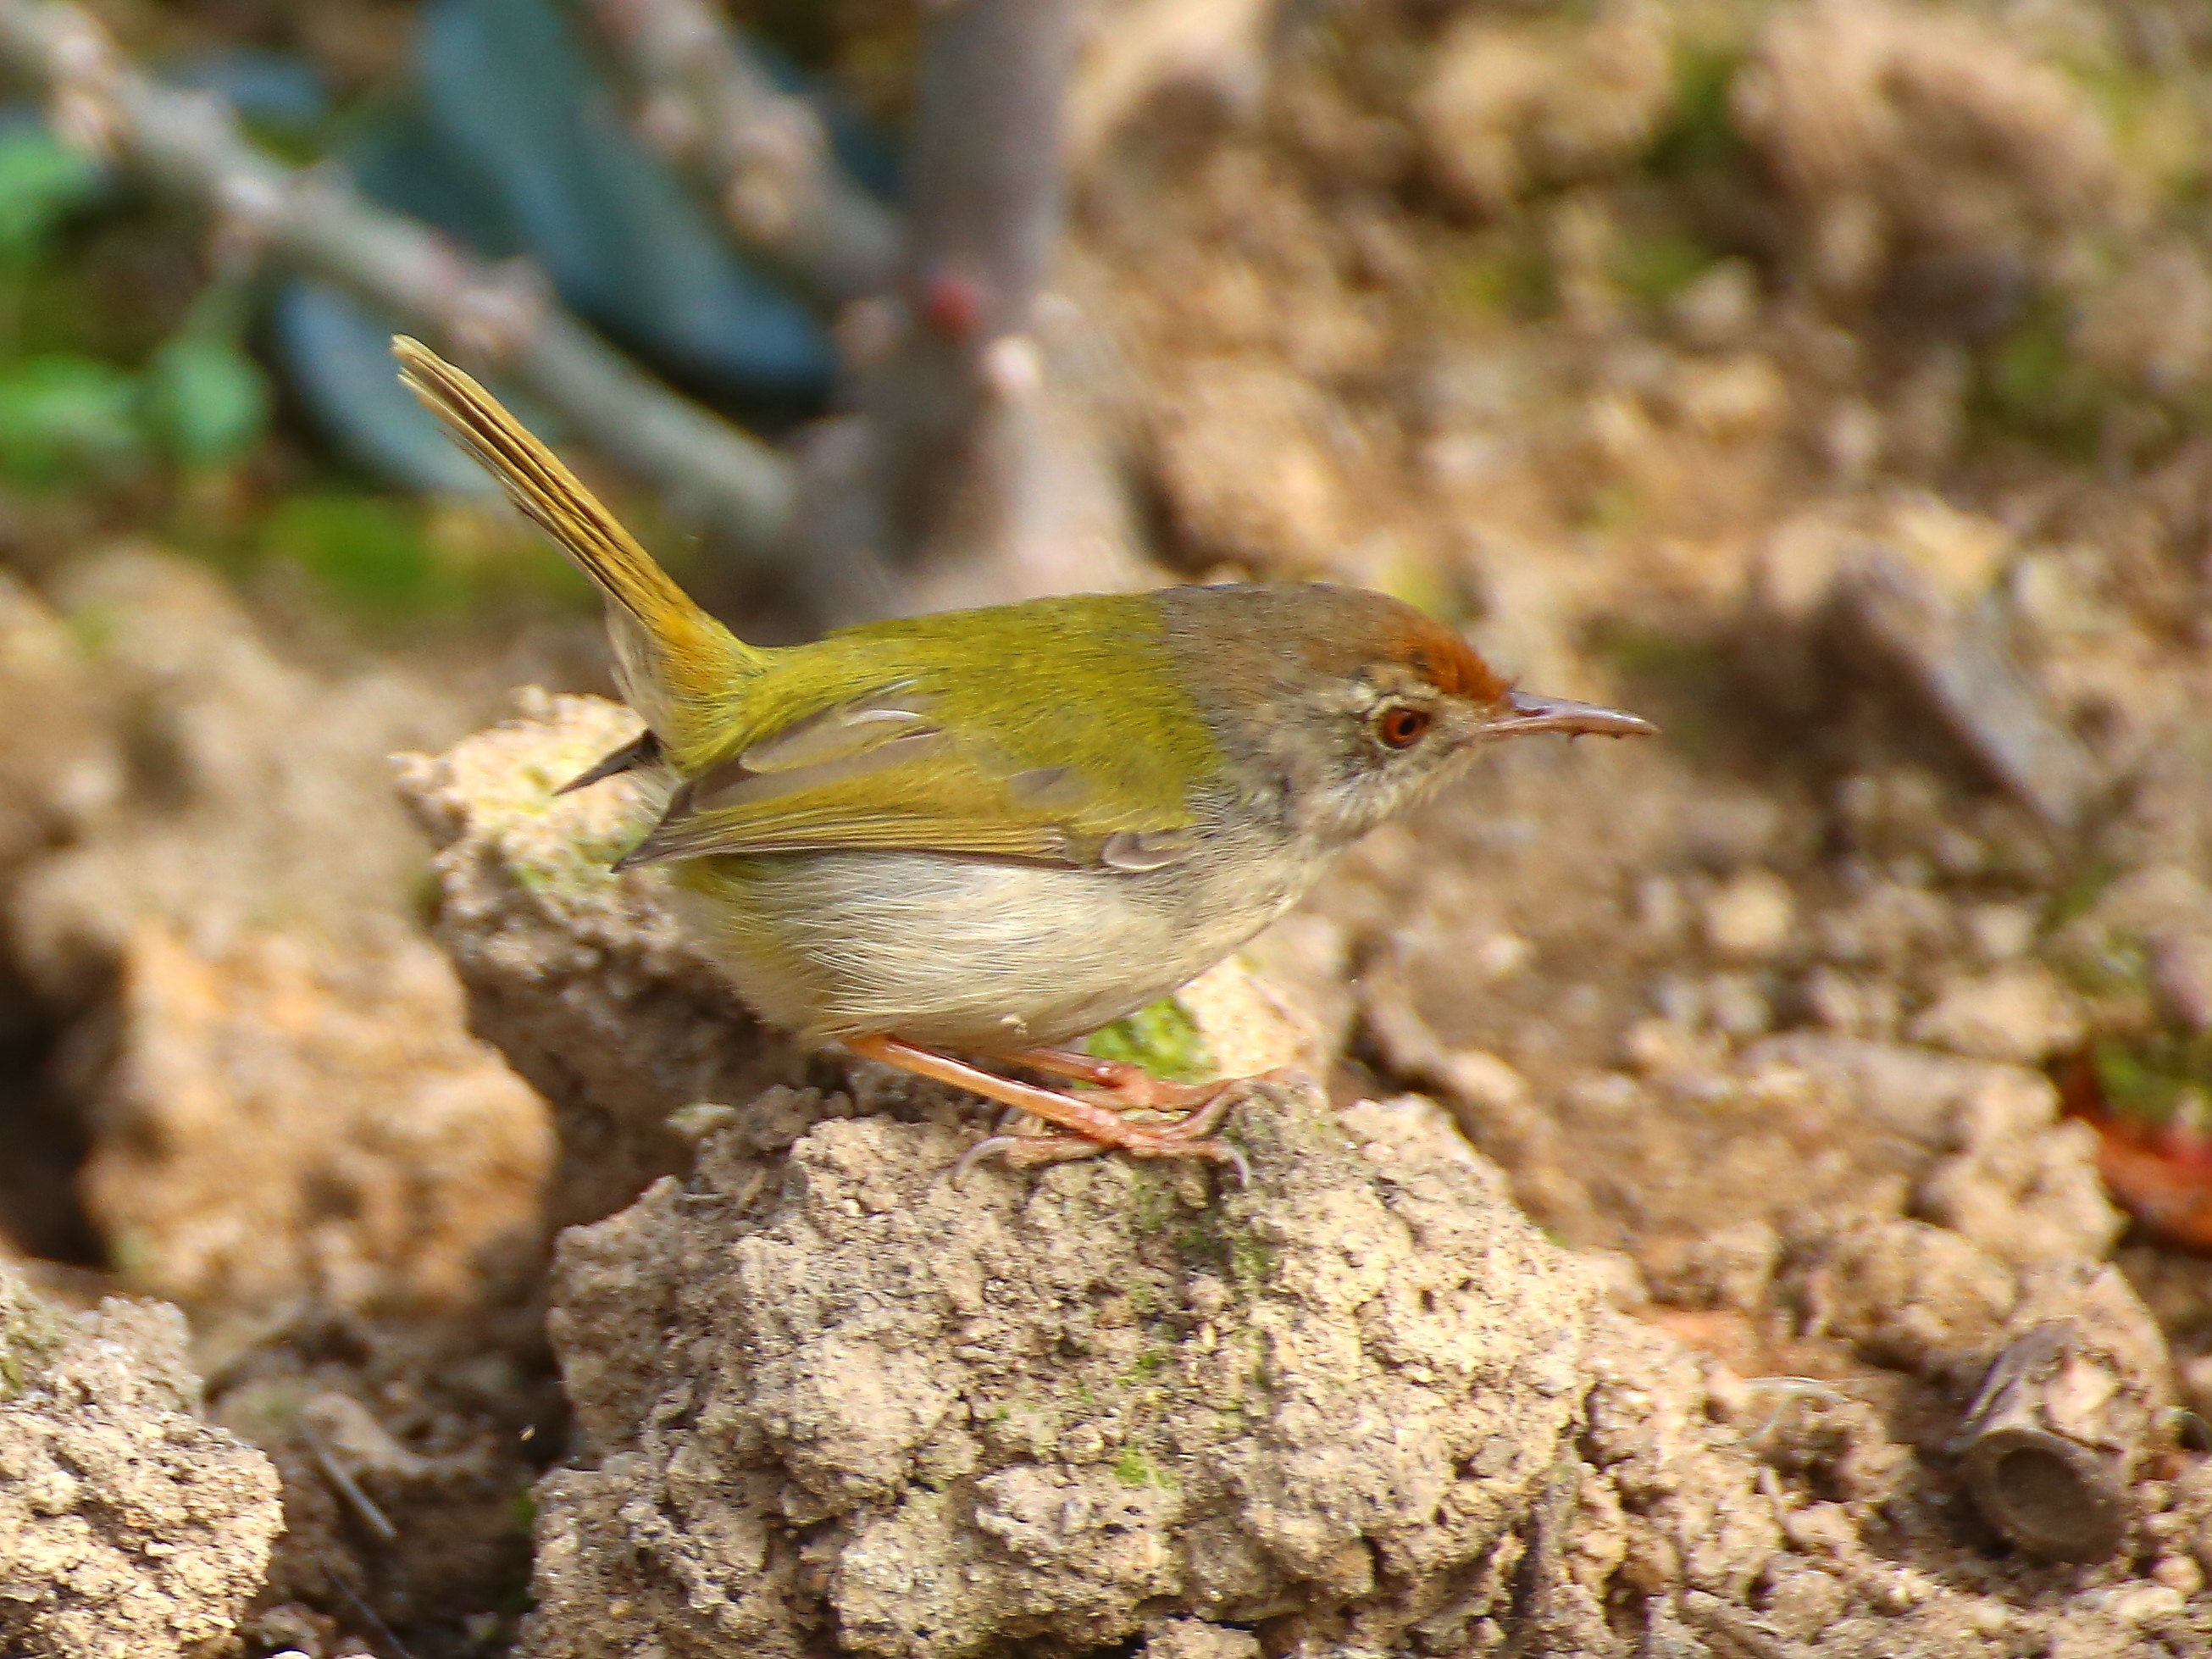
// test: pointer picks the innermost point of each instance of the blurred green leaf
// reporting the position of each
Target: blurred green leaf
(2032, 383)
(40, 183)
(64, 419)
(1655, 268)
(1511, 276)
(206, 400)
(1700, 136)
(1162, 1038)
(2152, 1076)
(366, 549)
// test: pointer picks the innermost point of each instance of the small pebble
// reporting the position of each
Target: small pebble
(1717, 309)
(2020, 1014)
(699, 1120)
(1605, 1094)
(1904, 1592)
(2141, 1603)
(1959, 854)
(1620, 1281)
(1848, 1004)
(2196, 1378)
(2181, 978)
(1482, 1079)
(1750, 917)
(1660, 1047)
(1821, 1528)
(1500, 955)
(1736, 1006)
(1679, 1000)
(1659, 908)
(1910, 870)
(2180, 1574)
(2000, 933)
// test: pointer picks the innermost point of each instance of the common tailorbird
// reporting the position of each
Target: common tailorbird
(994, 831)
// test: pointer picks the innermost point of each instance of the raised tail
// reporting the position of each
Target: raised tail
(677, 664)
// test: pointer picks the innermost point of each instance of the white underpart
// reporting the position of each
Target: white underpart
(972, 954)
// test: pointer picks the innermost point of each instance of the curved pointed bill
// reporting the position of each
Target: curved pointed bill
(1526, 711)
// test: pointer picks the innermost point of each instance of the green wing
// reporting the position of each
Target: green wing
(887, 739)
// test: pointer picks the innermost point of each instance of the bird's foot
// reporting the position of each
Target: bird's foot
(1129, 1088)
(1084, 1125)
(1190, 1136)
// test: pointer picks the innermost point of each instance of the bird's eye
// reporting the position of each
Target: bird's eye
(1401, 726)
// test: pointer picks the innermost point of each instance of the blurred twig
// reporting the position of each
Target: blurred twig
(985, 462)
(976, 467)
(759, 153)
(502, 318)
(984, 218)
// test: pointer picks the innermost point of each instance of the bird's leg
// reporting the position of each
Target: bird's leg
(1132, 1089)
(1091, 1128)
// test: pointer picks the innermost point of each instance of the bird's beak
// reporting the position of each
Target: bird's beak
(1526, 711)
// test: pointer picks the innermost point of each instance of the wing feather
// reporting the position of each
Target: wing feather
(1076, 749)
(866, 778)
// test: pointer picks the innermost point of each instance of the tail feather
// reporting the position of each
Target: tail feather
(676, 662)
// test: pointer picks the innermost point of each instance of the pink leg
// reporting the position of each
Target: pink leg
(1092, 1128)
(1134, 1088)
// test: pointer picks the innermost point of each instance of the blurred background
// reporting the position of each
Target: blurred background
(1830, 380)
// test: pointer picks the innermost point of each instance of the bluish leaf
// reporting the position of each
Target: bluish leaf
(340, 360)
(267, 89)
(506, 86)
(399, 159)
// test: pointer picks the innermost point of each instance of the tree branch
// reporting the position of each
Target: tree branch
(760, 155)
(987, 467)
(984, 217)
(501, 318)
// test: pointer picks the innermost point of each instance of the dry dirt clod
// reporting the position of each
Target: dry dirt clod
(583, 977)
(281, 1096)
(283, 1115)
(1510, 105)
(1194, 1638)
(1926, 152)
(1905, 1294)
(2069, 1409)
(128, 1527)
(1050, 1408)
(1953, 659)
(1251, 460)
(60, 768)
(2019, 1013)
(1751, 917)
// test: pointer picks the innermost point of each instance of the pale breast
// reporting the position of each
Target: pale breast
(970, 954)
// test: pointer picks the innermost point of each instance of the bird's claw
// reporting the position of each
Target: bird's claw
(1190, 1136)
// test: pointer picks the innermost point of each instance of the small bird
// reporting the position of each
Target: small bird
(988, 833)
